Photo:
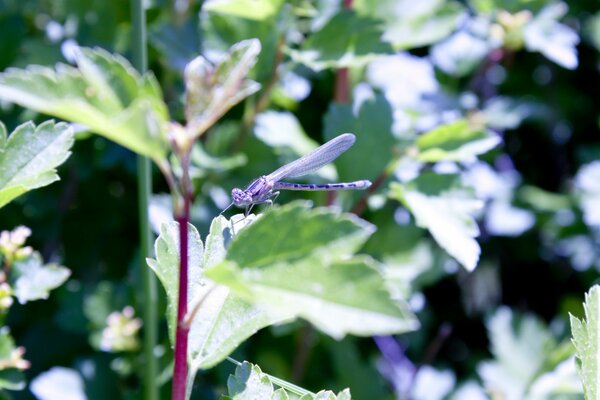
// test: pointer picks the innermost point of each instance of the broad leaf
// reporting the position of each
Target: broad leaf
(456, 141)
(222, 320)
(408, 25)
(30, 155)
(105, 93)
(347, 40)
(33, 280)
(440, 204)
(297, 261)
(372, 124)
(586, 338)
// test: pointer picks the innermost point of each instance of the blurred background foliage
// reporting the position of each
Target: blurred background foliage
(527, 69)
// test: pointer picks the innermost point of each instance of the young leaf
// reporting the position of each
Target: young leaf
(30, 155)
(347, 40)
(586, 338)
(105, 93)
(222, 320)
(296, 261)
(456, 141)
(213, 90)
(441, 205)
(33, 280)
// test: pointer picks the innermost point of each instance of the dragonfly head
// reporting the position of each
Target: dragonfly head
(241, 198)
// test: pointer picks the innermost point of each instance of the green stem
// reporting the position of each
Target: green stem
(140, 61)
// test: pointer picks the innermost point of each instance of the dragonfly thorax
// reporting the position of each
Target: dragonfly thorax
(241, 198)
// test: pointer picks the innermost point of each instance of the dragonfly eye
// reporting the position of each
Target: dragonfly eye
(241, 198)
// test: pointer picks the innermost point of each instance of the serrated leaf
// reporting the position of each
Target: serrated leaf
(213, 90)
(258, 10)
(441, 205)
(346, 40)
(33, 280)
(30, 156)
(519, 347)
(223, 320)
(249, 383)
(105, 94)
(407, 25)
(586, 338)
(456, 141)
(306, 271)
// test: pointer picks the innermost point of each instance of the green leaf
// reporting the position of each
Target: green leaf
(30, 155)
(586, 338)
(32, 280)
(408, 26)
(213, 90)
(3, 137)
(249, 383)
(222, 320)
(456, 141)
(347, 40)
(297, 261)
(441, 205)
(372, 125)
(258, 10)
(520, 347)
(11, 377)
(105, 93)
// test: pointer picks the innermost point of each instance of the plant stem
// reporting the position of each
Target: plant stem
(180, 371)
(150, 301)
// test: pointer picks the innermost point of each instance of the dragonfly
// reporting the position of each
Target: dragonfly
(265, 189)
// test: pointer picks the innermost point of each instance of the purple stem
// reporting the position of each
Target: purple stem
(181, 335)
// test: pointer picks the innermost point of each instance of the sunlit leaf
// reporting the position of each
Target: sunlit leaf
(105, 93)
(222, 320)
(33, 280)
(250, 9)
(30, 155)
(59, 382)
(554, 40)
(520, 350)
(306, 271)
(249, 383)
(456, 141)
(347, 40)
(408, 24)
(440, 204)
(586, 338)
(213, 89)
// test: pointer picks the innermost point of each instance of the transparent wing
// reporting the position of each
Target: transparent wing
(314, 160)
